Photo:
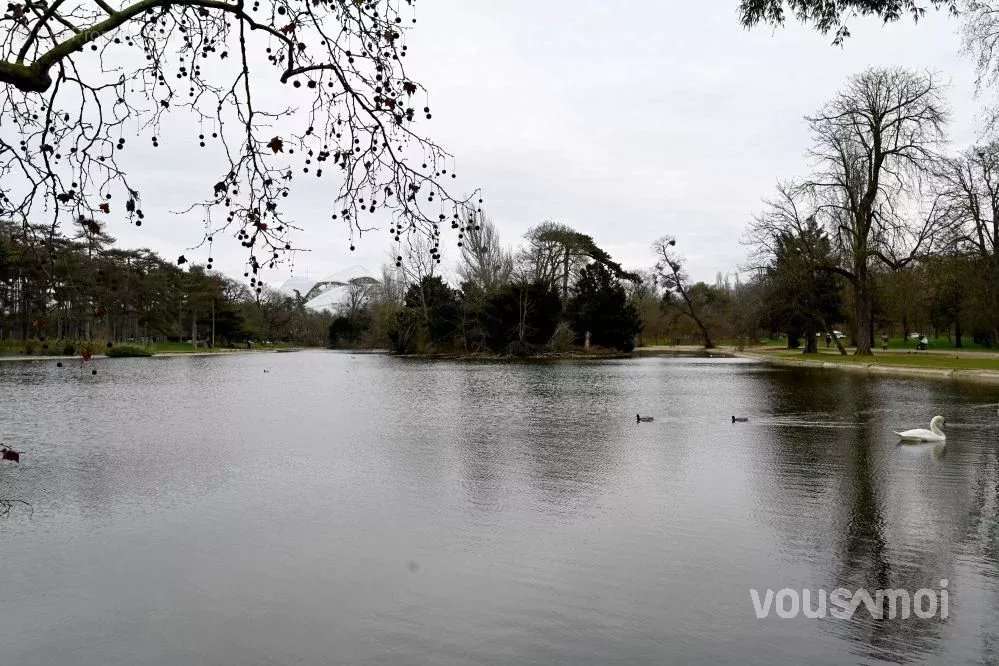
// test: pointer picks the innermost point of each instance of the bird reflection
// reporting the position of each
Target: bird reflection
(937, 450)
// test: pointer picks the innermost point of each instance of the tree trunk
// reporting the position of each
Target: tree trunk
(565, 276)
(995, 296)
(863, 309)
(522, 323)
(958, 333)
(831, 334)
(708, 343)
(194, 329)
(811, 342)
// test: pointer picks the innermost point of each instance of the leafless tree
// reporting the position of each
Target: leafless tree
(969, 189)
(980, 37)
(392, 289)
(418, 258)
(359, 292)
(419, 261)
(76, 76)
(671, 276)
(872, 145)
(484, 261)
(792, 215)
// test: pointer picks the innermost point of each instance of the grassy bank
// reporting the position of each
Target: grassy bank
(897, 359)
(979, 367)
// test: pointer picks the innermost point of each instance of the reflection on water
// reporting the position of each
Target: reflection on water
(362, 509)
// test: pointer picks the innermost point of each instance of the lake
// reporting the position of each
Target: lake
(336, 508)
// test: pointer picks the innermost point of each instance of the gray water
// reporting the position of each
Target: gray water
(362, 509)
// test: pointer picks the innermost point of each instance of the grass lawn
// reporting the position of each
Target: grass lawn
(934, 343)
(894, 344)
(899, 359)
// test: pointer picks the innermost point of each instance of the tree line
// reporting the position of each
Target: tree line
(891, 233)
(56, 291)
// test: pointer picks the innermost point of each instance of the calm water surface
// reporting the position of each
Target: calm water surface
(360, 509)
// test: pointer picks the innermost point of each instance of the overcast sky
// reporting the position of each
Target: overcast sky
(625, 120)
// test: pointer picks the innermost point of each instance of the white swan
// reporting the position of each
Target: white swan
(934, 434)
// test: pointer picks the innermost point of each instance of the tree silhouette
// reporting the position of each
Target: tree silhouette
(672, 277)
(827, 16)
(78, 75)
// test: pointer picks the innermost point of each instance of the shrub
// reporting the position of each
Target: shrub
(408, 334)
(29, 347)
(87, 348)
(346, 331)
(523, 349)
(69, 349)
(127, 351)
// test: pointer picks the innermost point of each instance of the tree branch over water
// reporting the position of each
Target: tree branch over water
(78, 76)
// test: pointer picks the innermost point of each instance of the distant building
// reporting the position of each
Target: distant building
(334, 292)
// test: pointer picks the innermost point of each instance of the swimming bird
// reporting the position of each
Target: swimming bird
(934, 434)
(740, 419)
(643, 419)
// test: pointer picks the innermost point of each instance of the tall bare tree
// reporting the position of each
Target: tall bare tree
(484, 262)
(672, 277)
(873, 143)
(357, 296)
(418, 262)
(969, 186)
(981, 42)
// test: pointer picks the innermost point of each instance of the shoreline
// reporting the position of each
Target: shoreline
(509, 358)
(980, 376)
(688, 351)
(977, 375)
(166, 354)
